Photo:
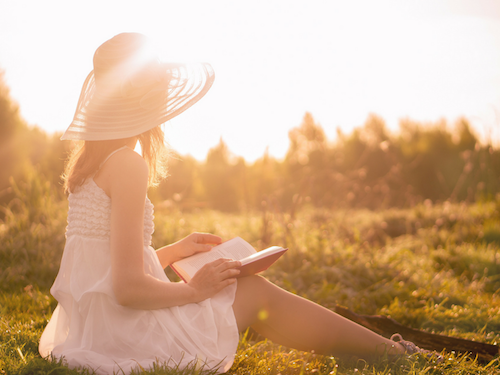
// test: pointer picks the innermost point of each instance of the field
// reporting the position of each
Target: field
(431, 267)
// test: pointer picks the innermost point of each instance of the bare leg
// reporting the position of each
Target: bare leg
(295, 322)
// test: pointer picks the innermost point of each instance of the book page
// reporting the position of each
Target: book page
(236, 249)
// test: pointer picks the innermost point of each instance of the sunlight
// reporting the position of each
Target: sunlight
(131, 73)
(342, 61)
(138, 148)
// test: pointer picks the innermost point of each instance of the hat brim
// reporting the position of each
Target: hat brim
(99, 117)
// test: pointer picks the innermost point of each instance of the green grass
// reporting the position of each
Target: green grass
(435, 268)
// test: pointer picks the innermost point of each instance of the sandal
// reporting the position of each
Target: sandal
(411, 348)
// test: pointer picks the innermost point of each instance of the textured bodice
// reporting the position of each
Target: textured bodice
(89, 214)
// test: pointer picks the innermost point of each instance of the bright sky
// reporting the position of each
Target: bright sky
(274, 60)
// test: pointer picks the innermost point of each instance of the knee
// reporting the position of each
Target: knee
(253, 282)
(256, 287)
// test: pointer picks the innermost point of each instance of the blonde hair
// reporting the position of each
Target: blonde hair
(87, 156)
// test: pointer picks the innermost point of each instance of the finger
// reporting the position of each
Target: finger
(218, 262)
(228, 264)
(201, 248)
(230, 273)
(223, 283)
(208, 238)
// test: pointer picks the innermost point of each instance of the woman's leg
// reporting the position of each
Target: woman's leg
(295, 322)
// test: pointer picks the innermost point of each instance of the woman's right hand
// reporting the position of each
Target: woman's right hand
(213, 277)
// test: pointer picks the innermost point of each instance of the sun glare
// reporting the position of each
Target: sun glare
(138, 148)
(340, 61)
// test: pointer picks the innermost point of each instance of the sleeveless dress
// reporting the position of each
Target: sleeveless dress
(89, 328)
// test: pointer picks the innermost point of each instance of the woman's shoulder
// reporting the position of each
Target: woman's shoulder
(126, 156)
(128, 163)
(124, 168)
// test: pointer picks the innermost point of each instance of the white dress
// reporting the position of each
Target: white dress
(89, 327)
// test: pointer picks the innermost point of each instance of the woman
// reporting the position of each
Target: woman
(117, 309)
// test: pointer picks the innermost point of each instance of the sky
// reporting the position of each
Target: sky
(274, 61)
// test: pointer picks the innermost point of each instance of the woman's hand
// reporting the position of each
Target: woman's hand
(213, 277)
(195, 243)
(190, 245)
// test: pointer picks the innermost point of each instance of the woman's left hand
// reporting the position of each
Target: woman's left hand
(194, 243)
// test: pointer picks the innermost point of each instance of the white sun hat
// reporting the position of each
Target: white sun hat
(131, 91)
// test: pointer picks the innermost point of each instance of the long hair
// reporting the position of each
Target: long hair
(87, 156)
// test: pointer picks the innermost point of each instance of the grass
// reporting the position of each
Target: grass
(435, 268)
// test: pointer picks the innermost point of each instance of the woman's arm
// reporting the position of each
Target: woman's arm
(126, 176)
(192, 244)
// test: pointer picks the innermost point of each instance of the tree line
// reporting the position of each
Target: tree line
(368, 168)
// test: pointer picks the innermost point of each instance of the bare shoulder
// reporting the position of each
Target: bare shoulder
(127, 160)
(127, 169)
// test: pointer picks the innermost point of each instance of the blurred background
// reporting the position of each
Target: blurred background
(369, 104)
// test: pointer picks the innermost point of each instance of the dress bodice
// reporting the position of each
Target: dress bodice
(89, 214)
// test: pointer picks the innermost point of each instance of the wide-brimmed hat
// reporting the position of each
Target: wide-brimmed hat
(131, 91)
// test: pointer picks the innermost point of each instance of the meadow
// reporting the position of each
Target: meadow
(434, 267)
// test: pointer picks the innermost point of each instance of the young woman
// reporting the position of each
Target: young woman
(116, 308)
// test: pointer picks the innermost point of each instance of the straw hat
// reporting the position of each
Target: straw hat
(131, 91)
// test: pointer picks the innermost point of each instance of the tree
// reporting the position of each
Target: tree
(11, 124)
(222, 179)
(10, 119)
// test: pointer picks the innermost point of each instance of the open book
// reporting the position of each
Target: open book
(252, 262)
